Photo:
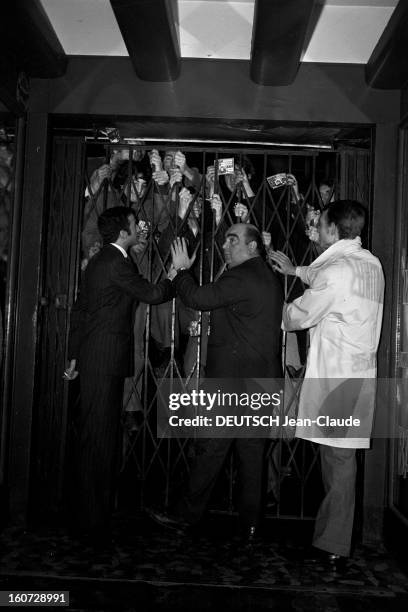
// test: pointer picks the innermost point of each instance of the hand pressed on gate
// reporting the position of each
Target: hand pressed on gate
(179, 253)
(282, 263)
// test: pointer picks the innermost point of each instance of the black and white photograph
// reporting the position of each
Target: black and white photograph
(204, 305)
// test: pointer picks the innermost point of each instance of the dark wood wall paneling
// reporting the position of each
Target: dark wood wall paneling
(28, 292)
(383, 231)
(404, 105)
(8, 83)
(29, 45)
(221, 89)
(396, 515)
(395, 522)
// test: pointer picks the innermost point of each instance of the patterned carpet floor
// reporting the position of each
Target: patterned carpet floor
(165, 571)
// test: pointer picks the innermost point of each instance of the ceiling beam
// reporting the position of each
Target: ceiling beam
(149, 31)
(387, 67)
(278, 38)
(26, 31)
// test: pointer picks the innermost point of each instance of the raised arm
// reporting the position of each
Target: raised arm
(131, 282)
(224, 292)
(315, 304)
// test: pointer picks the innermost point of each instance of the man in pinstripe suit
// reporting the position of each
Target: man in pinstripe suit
(101, 345)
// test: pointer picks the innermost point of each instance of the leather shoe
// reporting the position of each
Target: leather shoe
(317, 555)
(167, 520)
(248, 536)
(251, 534)
(271, 501)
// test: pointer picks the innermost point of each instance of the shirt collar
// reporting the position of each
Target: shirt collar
(343, 247)
(121, 249)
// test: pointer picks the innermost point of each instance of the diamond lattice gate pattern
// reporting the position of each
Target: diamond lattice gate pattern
(169, 189)
(59, 280)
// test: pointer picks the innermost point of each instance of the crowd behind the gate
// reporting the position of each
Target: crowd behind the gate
(219, 316)
(198, 200)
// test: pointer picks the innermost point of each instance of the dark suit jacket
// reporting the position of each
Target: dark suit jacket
(246, 312)
(101, 336)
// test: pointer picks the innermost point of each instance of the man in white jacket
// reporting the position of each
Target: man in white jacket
(343, 311)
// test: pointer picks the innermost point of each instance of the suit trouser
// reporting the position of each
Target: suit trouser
(98, 444)
(209, 459)
(133, 384)
(334, 521)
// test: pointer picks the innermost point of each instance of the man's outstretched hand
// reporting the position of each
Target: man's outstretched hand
(179, 253)
(282, 263)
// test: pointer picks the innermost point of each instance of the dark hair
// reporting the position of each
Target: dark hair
(348, 216)
(327, 181)
(122, 173)
(112, 221)
(246, 165)
(253, 234)
(193, 191)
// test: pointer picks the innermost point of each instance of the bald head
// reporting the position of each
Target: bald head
(254, 235)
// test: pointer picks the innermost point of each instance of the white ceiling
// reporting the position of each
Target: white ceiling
(346, 32)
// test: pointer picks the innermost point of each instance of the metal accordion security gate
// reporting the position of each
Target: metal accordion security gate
(169, 188)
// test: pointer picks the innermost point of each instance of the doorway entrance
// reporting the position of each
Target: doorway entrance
(275, 188)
